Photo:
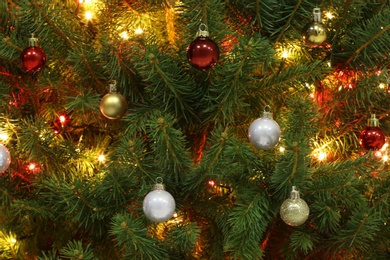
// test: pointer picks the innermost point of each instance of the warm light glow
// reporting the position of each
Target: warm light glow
(378, 154)
(124, 35)
(329, 15)
(62, 119)
(211, 183)
(88, 15)
(285, 54)
(282, 149)
(321, 156)
(3, 136)
(139, 31)
(101, 158)
(175, 215)
(382, 85)
(32, 166)
(12, 240)
(385, 158)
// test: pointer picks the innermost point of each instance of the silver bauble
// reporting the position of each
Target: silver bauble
(5, 158)
(294, 211)
(264, 132)
(314, 34)
(159, 205)
(113, 105)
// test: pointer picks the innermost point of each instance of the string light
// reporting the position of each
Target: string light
(101, 158)
(124, 35)
(282, 149)
(88, 15)
(211, 183)
(284, 54)
(382, 85)
(4, 136)
(329, 15)
(322, 156)
(138, 31)
(32, 166)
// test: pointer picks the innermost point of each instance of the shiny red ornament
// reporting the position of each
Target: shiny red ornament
(203, 53)
(33, 58)
(372, 137)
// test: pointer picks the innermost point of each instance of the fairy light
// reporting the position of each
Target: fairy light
(321, 156)
(382, 85)
(62, 119)
(88, 15)
(385, 158)
(101, 158)
(4, 136)
(284, 54)
(211, 183)
(282, 149)
(32, 166)
(329, 15)
(124, 35)
(138, 31)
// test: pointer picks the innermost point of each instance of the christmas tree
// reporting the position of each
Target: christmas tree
(194, 129)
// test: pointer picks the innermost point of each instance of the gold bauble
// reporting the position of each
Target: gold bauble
(113, 105)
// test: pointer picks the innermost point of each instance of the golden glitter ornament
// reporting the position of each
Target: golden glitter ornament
(113, 105)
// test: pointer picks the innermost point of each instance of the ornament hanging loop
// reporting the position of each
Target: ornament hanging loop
(159, 184)
(267, 112)
(112, 86)
(294, 195)
(373, 121)
(203, 30)
(317, 14)
(32, 41)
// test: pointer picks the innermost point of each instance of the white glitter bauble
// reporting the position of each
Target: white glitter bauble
(264, 132)
(159, 205)
(5, 158)
(294, 211)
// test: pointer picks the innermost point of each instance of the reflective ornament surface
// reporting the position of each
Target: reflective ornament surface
(33, 59)
(372, 137)
(113, 105)
(5, 158)
(264, 132)
(203, 53)
(314, 34)
(159, 205)
(294, 211)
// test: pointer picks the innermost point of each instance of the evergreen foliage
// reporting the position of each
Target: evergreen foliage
(190, 128)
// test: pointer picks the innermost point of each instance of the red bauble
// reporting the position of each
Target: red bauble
(372, 138)
(33, 59)
(203, 53)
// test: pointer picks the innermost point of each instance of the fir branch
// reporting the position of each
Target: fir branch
(370, 41)
(288, 22)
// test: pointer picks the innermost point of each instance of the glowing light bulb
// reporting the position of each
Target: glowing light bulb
(321, 156)
(124, 35)
(3, 136)
(62, 119)
(138, 31)
(382, 85)
(32, 166)
(329, 15)
(282, 149)
(385, 158)
(211, 183)
(88, 15)
(175, 215)
(285, 54)
(101, 158)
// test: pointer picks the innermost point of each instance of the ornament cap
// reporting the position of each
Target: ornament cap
(317, 14)
(32, 41)
(203, 31)
(159, 184)
(294, 195)
(267, 112)
(113, 86)
(373, 121)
